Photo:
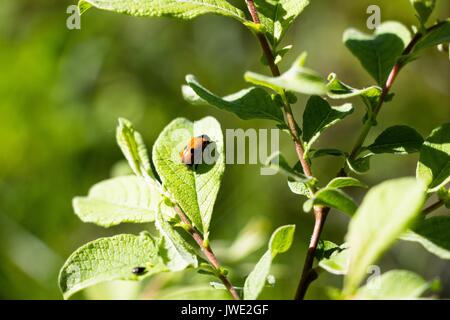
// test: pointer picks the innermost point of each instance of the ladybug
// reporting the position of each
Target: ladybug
(192, 154)
(138, 270)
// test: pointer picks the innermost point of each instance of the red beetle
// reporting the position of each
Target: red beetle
(192, 154)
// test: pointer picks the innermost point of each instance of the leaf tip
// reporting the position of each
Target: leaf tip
(190, 78)
(301, 60)
(83, 6)
(123, 122)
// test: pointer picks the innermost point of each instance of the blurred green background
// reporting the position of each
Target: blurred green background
(61, 92)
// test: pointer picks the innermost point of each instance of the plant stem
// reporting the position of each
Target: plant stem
(385, 91)
(308, 275)
(206, 249)
(292, 125)
(433, 207)
(320, 212)
(369, 123)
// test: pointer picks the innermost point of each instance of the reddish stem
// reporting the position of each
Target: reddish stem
(206, 249)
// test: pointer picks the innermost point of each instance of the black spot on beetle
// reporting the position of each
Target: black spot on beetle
(138, 270)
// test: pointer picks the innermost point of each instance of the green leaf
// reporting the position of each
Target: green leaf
(299, 187)
(195, 190)
(342, 182)
(108, 259)
(438, 35)
(280, 53)
(386, 212)
(333, 198)
(174, 250)
(433, 234)
(397, 140)
(424, 8)
(133, 147)
(444, 196)
(297, 78)
(433, 168)
(339, 90)
(250, 103)
(337, 261)
(276, 161)
(394, 284)
(327, 152)
(278, 15)
(280, 242)
(281, 239)
(256, 280)
(360, 165)
(254, 27)
(182, 9)
(318, 116)
(324, 249)
(379, 52)
(125, 199)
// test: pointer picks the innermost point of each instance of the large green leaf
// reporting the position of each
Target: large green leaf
(194, 189)
(378, 52)
(393, 285)
(333, 198)
(440, 34)
(182, 9)
(280, 241)
(278, 15)
(251, 103)
(433, 168)
(318, 116)
(297, 78)
(424, 8)
(385, 213)
(108, 259)
(433, 234)
(133, 148)
(398, 140)
(176, 253)
(119, 200)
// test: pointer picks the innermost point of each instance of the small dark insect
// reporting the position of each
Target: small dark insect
(138, 270)
(192, 154)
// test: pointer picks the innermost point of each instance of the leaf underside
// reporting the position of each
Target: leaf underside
(108, 259)
(181, 9)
